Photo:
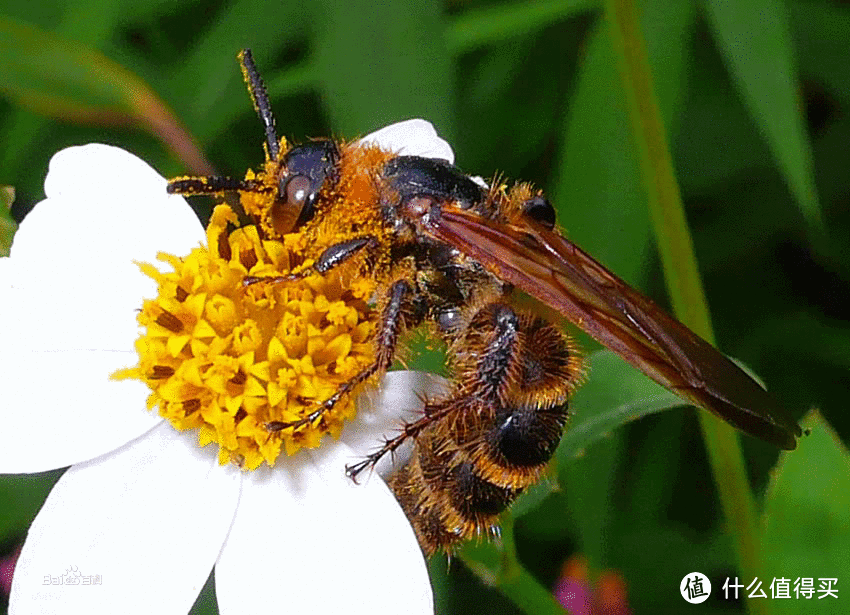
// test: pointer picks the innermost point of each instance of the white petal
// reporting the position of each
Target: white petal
(149, 520)
(60, 408)
(399, 398)
(412, 138)
(73, 254)
(311, 541)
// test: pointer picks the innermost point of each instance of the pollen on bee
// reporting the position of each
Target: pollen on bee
(230, 359)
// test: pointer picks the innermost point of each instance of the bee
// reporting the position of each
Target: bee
(448, 252)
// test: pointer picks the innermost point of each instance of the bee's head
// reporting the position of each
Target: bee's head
(303, 172)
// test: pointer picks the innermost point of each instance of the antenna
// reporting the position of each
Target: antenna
(260, 98)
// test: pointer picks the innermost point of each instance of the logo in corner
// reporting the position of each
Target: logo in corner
(695, 587)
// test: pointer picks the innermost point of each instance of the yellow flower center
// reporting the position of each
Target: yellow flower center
(234, 359)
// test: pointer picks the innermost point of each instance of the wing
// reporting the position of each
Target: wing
(557, 272)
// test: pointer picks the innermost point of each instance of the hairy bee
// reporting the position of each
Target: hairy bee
(448, 251)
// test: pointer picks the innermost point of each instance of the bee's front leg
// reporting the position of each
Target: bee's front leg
(332, 257)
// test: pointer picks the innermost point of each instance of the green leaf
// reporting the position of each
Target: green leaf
(70, 81)
(822, 33)
(598, 186)
(807, 517)
(754, 38)
(90, 23)
(614, 394)
(533, 497)
(28, 492)
(492, 77)
(589, 486)
(588, 455)
(290, 81)
(60, 78)
(384, 62)
(205, 603)
(807, 335)
(489, 24)
(722, 140)
(653, 468)
(655, 558)
(209, 80)
(7, 225)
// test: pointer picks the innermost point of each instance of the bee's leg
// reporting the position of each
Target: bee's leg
(408, 430)
(484, 361)
(514, 373)
(338, 253)
(332, 257)
(398, 312)
(212, 185)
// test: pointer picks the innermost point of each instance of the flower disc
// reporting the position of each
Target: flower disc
(235, 356)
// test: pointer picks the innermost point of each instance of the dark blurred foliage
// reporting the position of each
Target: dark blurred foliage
(529, 90)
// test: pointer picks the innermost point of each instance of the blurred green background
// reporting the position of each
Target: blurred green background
(754, 95)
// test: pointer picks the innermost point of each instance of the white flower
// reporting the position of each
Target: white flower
(144, 514)
(411, 138)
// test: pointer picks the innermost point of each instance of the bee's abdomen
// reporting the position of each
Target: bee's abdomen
(497, 430)
(445, 497)
(452, 491)
(518, 445)
(423, 508)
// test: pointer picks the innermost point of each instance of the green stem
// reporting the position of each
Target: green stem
(682, 275)
(497, 565)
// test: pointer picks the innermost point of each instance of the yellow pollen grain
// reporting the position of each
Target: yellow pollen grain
(229, 359)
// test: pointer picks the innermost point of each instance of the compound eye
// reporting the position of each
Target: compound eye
(295, 207)
(297, 191)
(539, 208)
